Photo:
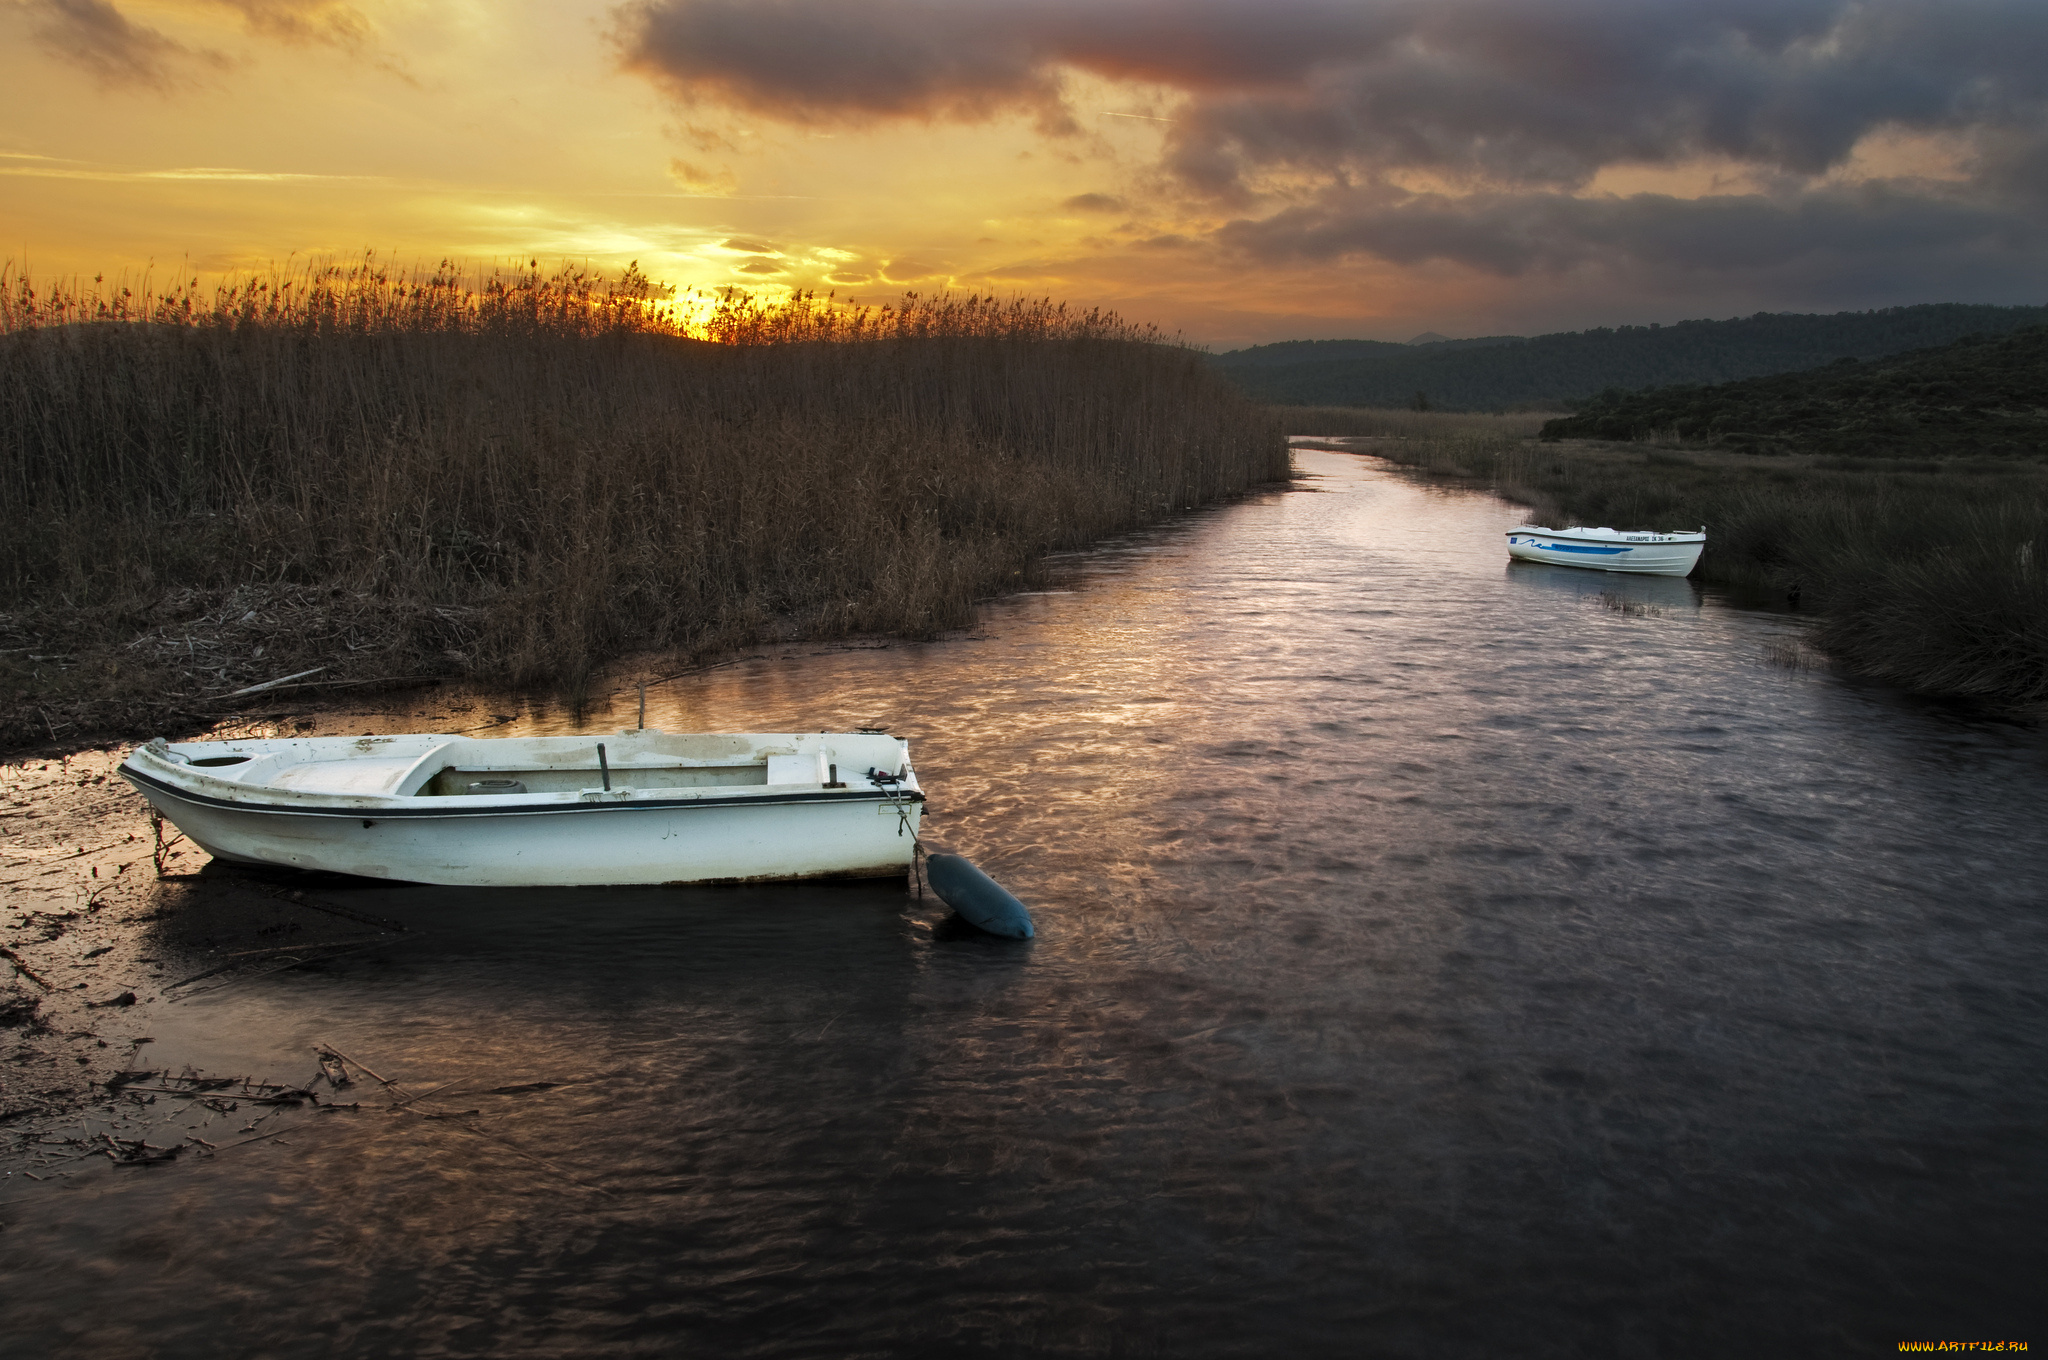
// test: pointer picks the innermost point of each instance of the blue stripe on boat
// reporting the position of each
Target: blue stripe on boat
(1567, 547)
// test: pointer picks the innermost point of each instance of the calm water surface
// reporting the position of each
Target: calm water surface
(1433, 960)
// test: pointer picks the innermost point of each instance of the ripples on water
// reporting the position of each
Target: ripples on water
(1433, 960)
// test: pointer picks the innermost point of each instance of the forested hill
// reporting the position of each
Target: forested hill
(1502, 372)
(1983, 395)
(1289, 353)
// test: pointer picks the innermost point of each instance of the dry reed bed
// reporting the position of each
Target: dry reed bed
(1931, 575)
(514, 480)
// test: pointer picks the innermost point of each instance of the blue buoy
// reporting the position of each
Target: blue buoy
(977, 897)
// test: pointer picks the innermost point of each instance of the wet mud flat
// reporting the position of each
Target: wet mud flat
(102, 939)
(105, 917)
(78, 970)
(95, 942)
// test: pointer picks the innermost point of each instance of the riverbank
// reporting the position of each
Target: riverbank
(79, 887)
(1928, 574)
(363, 489)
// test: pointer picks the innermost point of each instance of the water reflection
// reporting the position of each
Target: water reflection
(1433, 958)
(1658, 592)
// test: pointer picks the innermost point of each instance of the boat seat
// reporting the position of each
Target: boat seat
(360, 774)
(803, 769)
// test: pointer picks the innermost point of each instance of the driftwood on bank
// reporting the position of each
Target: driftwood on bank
(272, 684)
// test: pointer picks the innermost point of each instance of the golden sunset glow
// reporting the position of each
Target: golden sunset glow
(1206, 175)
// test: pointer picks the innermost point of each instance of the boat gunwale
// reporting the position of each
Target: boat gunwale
(396, 806)
(1589, 536)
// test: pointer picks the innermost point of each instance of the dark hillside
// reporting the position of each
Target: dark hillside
(1981, 395)
(1561, 370)
(1287, 353)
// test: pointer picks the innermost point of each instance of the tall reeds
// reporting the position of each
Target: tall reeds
(519, 476)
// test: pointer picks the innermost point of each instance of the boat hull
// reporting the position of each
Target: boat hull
(1637, 554)
(588, 837)
(608, 844)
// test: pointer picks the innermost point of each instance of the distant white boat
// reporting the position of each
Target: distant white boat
(640, 807)
(1642, 552)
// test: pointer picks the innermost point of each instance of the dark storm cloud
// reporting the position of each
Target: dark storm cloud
(1521, 233)
(1510, 93)
(1512, 105)
(1497, 89)
(92, 34)
(809, 59)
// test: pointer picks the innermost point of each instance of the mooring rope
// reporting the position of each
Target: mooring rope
(156, 825)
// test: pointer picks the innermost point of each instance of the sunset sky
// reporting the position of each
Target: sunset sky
(1237, 170)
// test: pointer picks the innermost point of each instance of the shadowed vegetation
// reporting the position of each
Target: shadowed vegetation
(516, 477)
(1928, 574)
(1979, 396)
(1511, 373)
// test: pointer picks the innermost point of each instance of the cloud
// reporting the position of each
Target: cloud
(116, 51)
(53, 168)
(1101, 203)
(98, 37)
(806, 61)
(712, 181)
(746, 247)
(1827, 241)
(1474, 93)
(329, 22)
(1502, 89)
(1488, 92)
(803, 60)
(707, 140)
(1465, 133)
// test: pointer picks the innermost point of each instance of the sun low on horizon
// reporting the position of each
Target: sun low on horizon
(1231, 171)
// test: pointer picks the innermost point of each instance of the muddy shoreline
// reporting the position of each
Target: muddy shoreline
(98, 943)
(95, 943)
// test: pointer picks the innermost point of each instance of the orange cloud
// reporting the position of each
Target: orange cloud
(713, 181)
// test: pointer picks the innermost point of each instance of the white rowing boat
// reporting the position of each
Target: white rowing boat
(1631, 550)
(640, 807)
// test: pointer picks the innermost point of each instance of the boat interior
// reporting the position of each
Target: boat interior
(461, 781)
(455, 767)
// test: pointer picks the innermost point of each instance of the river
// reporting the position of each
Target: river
(1436, 957)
